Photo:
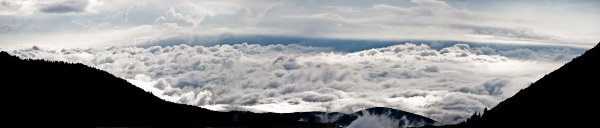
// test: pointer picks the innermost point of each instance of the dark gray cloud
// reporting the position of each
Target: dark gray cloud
(9, 6)
(492, 87)
(507, 33)
(71, 6)
(154, 21)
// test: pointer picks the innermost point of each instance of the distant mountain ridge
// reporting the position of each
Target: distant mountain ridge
(567, 97)
(58, 93)
(347, 119)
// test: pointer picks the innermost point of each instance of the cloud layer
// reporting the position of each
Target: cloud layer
(447, 84)
(110, 22)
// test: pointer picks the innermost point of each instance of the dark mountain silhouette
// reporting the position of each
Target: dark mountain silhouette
(345, 120)
(566, 97)
(53, 93)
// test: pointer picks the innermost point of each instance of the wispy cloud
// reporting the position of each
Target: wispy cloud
(572, 22)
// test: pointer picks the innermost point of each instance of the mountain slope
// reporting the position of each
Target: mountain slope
(563, 98)
(37, 90)
(59, 93)
(403, 118)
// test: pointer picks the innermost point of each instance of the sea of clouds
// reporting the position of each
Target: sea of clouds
(447, 84)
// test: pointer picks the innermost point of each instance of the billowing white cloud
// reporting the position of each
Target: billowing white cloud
(374, 121)
(383, 120)
(447, 85)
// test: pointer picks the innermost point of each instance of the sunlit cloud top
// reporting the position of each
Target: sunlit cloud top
(82, 23)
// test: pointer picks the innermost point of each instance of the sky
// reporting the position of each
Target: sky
(85, 23)
(442, 59)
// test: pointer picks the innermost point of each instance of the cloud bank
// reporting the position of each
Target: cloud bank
(446, 84)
